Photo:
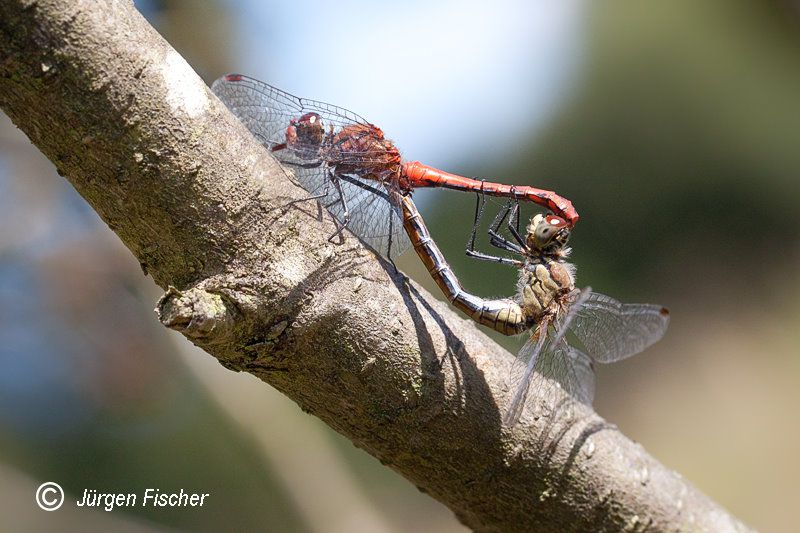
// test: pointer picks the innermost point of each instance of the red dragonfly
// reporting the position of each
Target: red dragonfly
(348, 164)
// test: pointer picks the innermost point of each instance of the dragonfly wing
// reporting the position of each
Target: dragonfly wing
(550, 357)
(523, 373)
(571, 369)
(375, 216)
(265, 110)
(268, 111)
(566, 365)
(610, 330)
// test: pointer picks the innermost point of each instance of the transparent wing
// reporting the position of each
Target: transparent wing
(375, 215)
(523, 372)
(571, 369)
(553, 358)
(566, 365)
(610, 330)
(272, 108)
(268, 111)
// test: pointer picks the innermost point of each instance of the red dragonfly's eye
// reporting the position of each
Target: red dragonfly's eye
(556, 221)
(309, 118)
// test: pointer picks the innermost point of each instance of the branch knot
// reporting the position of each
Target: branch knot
(196, 313)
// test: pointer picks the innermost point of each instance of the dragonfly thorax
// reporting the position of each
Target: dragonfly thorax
(543, 286)
(362, 150)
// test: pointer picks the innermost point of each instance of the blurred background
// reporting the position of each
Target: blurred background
(673, 127)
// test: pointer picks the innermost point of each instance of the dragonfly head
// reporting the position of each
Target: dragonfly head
(307, 131)
(547, 233)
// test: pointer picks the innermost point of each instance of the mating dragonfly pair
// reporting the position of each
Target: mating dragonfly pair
(359, 176)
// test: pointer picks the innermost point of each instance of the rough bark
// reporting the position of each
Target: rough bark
(250, 277)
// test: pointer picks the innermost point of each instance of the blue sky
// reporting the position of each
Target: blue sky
(451, 82)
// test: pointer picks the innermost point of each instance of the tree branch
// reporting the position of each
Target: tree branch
(250, 278)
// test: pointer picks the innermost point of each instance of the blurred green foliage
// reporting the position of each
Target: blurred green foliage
(678, 147)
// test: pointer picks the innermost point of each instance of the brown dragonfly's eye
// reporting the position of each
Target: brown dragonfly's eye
(309, 131)
(309, 118)
(550, 231)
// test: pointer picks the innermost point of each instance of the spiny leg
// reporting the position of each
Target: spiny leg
(327, 182)
(389, 243)
(513, 227)
(509, 212)
(471, 252)
(323, 194)
(480, 203)
(501, 217)
(345, 211)
(494, 258)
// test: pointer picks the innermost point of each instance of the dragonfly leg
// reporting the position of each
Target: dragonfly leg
(325, 190)
(513, 225)
(504, 244)
(323, 194)
(501, 216)
(345, 211)
(305, 165)
(471, 252)
(509, 214)
(480, 203)
(389, 245)
(497, 259)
